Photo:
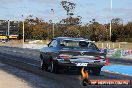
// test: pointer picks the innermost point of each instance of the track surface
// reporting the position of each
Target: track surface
(22, 79)
(28, 60)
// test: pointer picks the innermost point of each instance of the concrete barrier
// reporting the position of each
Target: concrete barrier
(34, 46)
(117, 53)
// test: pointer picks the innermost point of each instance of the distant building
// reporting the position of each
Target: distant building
(4, 27)
(2, 21)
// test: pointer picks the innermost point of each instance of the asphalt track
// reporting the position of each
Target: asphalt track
(66, 79)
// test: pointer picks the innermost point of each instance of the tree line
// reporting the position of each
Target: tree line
(72, 27)
(36, 28)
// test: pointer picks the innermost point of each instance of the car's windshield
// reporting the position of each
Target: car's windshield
(78, 44)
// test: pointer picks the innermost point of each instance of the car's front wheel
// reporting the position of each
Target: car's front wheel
(53, 67)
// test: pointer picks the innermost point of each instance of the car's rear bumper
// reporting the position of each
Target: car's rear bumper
(80, 64)
(74, 65)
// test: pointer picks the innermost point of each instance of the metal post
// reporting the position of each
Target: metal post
(110, 29)
(53, 30)
(8, 27)
(53, 22)
(111, 22)
(23, 33)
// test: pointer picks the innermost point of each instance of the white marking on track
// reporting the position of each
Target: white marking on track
(117, 73)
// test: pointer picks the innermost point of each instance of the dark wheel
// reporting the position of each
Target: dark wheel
(44, 66)
(53, 67)
(96, 71)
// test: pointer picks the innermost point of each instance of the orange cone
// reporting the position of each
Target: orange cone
(107, 62)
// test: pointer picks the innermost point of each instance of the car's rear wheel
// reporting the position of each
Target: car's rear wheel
(44, 66)
(53, 67)
(96, 71)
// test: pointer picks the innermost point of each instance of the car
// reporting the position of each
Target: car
(67, 52)
(3, 40)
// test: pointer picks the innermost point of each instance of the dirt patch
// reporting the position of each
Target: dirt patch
(10, 81)
(12, 43)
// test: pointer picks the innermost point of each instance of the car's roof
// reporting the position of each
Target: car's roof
(69, 38)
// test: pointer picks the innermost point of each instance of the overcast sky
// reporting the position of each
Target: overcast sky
(87, 9)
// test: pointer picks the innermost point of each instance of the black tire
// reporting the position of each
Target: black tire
(54, 67)
(96, 71)
(44, 66)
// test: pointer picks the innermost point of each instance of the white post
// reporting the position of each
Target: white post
(53, 30)
(97, 45)
(119, 45)
(111, 22)
(109, 45)
(8, 27)
(23, 34)
(113, 46)
(110, 29)
(53, 22)
(102, 45)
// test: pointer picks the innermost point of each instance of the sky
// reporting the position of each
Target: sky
(87, 9)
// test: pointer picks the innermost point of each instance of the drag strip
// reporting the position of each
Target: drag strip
(17, 78)
(64, 80)
(34, 54)
(16, 62)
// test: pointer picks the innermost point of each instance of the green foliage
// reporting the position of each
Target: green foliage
(71, 31)
(34, 29)
(38, 29)
(117, 54)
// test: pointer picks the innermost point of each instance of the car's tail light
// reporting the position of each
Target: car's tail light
(100, 57)
(64, 56)
(97, 58)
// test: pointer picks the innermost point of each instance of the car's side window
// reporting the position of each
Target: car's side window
(53, 43)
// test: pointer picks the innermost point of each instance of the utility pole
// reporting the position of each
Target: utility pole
(8, 27)
(110, 29)
(53, 22)
(111, 20)
(23, 31)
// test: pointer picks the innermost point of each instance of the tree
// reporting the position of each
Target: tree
(69, 7)
(127, 32)
(34, 28)
(71, 21)
(71, 31)
(116, 29)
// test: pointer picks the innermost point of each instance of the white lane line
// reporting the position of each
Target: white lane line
(117, 73)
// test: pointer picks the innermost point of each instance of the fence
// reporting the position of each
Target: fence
(114, 45)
